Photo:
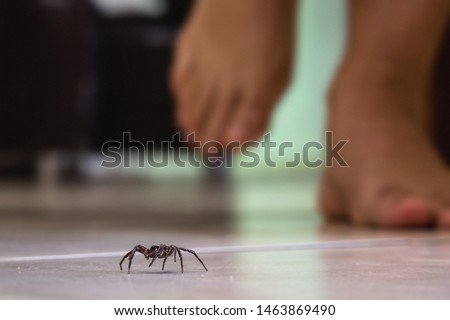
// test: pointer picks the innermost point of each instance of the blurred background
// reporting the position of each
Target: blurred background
(75, 74)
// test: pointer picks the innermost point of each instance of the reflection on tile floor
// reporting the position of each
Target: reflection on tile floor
(409, 265)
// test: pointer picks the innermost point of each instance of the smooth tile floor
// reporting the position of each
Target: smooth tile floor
(321, 262)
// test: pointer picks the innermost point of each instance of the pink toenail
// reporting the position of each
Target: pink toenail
(444, 219)
(410, 212)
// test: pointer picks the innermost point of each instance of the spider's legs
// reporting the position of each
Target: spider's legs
(153, 260)
(126, 256)
(193, 252)
(130, 255)
(181, 259)
(164, 262)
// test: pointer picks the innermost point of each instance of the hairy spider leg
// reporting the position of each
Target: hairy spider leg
(153, 260)
(174, 252)
(130, 255)
(193, 252)
(124, 257)
(181, 258)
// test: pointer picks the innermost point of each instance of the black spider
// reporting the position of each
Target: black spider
(159, 252)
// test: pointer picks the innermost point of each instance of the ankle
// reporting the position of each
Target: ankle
(357, 87)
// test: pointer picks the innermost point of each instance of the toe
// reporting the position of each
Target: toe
(409, 212)
(443, 219)
(200, 110)
(250, 119)
(330, 202)
(218, 118)
(184, 104)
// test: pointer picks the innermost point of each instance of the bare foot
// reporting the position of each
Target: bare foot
(396, 177)
(232, 62)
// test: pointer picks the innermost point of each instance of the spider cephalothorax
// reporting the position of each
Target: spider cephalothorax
(159, 252)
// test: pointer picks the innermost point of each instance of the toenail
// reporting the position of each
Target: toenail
(408, 213)
(444, 219)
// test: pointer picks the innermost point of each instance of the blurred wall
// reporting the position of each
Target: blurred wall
(42, 62)
(299, 117)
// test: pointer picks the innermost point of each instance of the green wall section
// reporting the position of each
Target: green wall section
(300, 116)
